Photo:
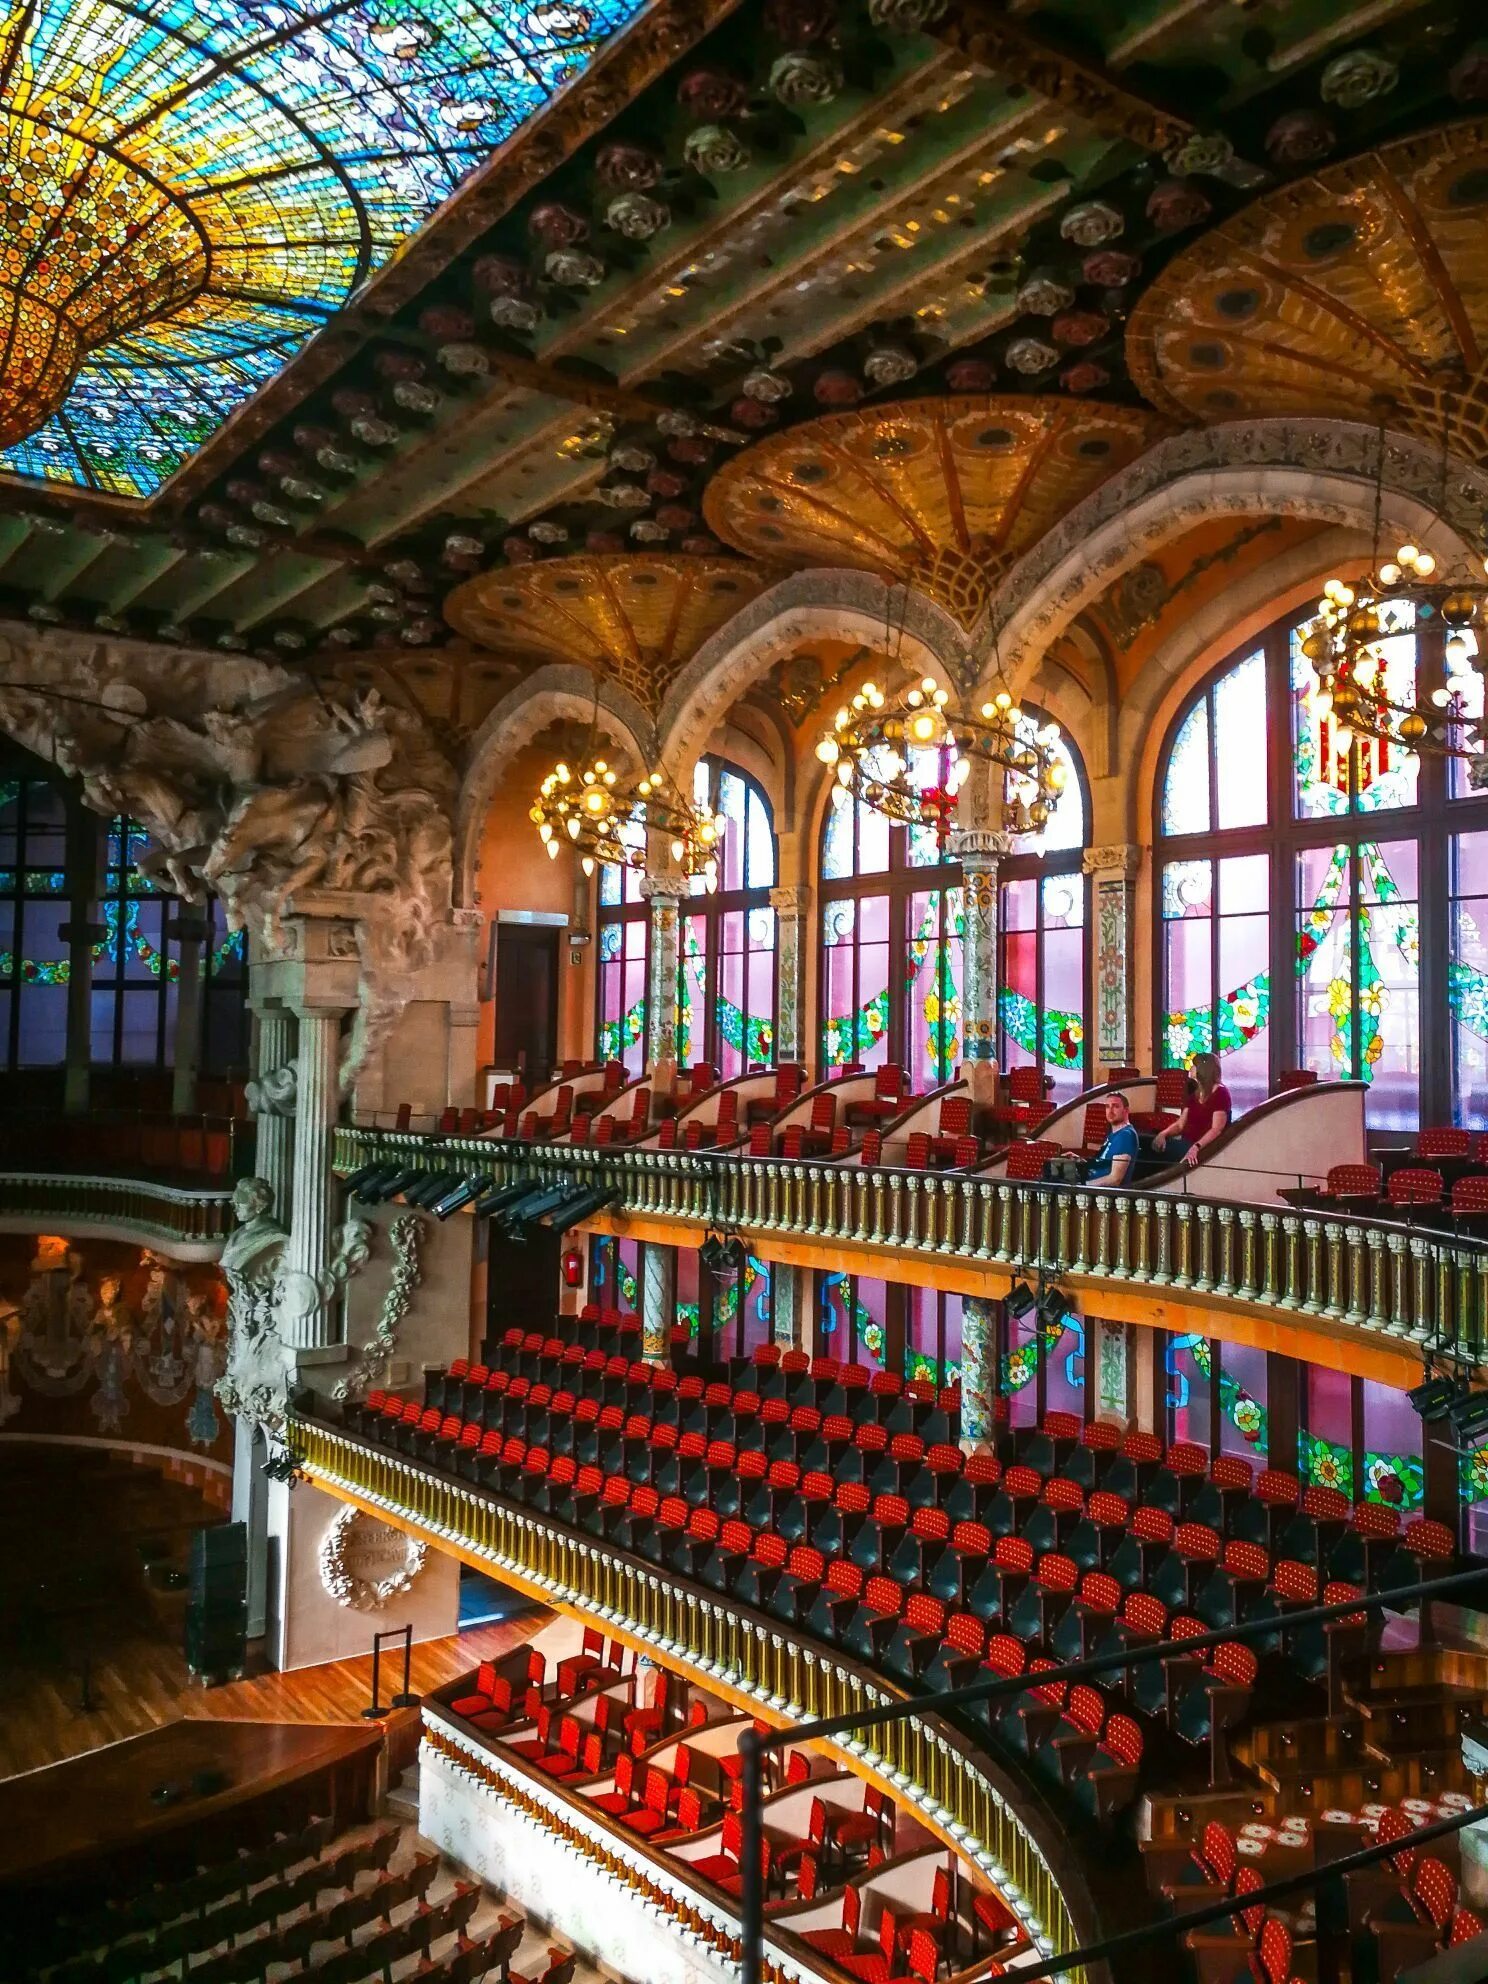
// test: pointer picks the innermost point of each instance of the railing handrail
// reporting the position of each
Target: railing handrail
(567, 1157)
(1397, 1279)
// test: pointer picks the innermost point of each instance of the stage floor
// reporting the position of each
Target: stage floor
(140, 1684)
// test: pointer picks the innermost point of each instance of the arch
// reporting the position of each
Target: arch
(808, 604)
(1323, 470)
(551, 695)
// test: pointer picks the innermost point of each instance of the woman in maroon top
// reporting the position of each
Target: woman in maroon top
(1206, 1116)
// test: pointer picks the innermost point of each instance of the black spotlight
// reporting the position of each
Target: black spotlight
(1435, 1398)
(1053, 1306)
(1469, 1417)
(1020, 1300)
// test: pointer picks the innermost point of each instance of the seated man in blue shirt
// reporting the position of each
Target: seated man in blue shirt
(1121, 1148)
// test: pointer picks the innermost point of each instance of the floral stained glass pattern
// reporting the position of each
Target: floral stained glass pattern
(204, 187)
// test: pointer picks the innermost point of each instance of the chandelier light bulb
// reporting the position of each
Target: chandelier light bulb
(827, 750)
(844, 772)
(587, 864)
(1003, 700)
(842, 719)
(644, 788)
(552, 850)
(1389, 574)
(573, 825)
(1407, 555)
(1425, 564)
(1456, 650)
(1441, 697)
(678, 850)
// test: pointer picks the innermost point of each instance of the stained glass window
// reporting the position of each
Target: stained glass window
(1286, 861)
(34, 905)
(1041, 937)
(932, 1336)
(206, 186)
(852, 1317)
(892, 934)
(726, 987)
(622, 930)
(48, 853)
(137, 968)
(1216, 1395)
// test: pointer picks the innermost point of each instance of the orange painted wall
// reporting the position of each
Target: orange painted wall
(513, 872)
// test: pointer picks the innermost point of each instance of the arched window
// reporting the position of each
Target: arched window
(137, 968)
(1322, 908)
(892, 935)
(1041, 938)
(891, 943)
(726, 985)
(60, 864)
(622, 932)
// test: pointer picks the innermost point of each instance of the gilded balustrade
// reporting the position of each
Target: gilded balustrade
(1400, 1283)
(995, 1821)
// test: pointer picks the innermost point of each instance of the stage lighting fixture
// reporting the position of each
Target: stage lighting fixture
(507, 1195)
(585, 1203)
(1053, 1306)
(464, 1192)
(1469, 1417)
(1021, 1300)
(365, 1174)
(431, 1188)
(1434, 1398)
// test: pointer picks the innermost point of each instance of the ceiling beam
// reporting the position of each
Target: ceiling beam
(1018, 53)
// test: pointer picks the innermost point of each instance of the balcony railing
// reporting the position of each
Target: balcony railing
(1000, 1822)
(193, 1225)
(1397, 1281)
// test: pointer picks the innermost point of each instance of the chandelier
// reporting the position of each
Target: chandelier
(604, 818)
(909, 756)
(1360, 699)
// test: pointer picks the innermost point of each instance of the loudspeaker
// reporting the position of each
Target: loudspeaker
(216, 1642)
(222, 1543)
(219, 1567)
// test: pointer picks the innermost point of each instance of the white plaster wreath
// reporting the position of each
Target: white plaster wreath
(362, 1594)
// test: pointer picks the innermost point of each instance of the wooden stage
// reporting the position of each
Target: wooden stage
(103, 1806)
(141, 1685)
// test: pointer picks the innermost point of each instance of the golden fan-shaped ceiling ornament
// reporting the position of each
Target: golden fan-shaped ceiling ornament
(636, 621)
(944, 494)
(1360, 292)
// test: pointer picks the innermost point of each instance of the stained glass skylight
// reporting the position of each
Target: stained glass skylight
(189, 189)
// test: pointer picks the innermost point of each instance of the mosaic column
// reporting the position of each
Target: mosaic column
(979, 851)
(978, 1374)
(1113, 871)
(308, 1308)
(792, 907)
(658, 1301)
(788, 1299)
(664, 959)
(1113, 1399)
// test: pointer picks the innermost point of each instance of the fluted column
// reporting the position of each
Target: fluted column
(274, 1159)
(1114, 871)
(658, 1302)
(979, 851)
(792, 907)
(308, 1316)
(978, 1373)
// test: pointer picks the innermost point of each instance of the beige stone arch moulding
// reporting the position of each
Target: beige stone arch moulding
(836, 605)
(558, 693)
(1319, 469)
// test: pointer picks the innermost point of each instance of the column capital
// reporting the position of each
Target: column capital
(792, 900)
(1121, 860)
(663, 888)
(980, 847)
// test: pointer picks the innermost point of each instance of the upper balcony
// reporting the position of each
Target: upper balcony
(1389, 1278)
